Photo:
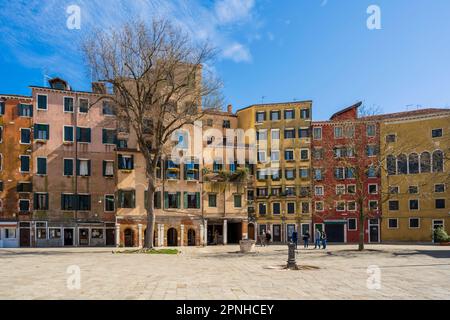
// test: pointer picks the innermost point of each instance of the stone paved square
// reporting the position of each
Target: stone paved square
(407, 272)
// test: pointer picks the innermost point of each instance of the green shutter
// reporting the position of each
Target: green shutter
(145, 199)
(158, 200)
(132, 162)
(104, 167)
(120, 160)
(120, 199)
(178, 200)
(185, 200)
(89, 168)
(197, 195)
(166, 200)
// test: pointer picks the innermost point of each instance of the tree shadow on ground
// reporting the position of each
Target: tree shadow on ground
(21, 253)
(438, 254)
(350, 253)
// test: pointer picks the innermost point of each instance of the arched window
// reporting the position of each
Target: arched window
(413, 163)
(425, 162)
(391, 165)
(438, 161)
(402, 164)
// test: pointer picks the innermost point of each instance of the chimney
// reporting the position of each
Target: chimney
(230, 108)
(98, 87)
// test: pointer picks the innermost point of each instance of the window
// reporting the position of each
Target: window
(191, 170)
(305, 192)
(54, 233)
(373, 205)
(24, 205)
(40, 201)
(373, 189)
(350, 173)
(304, 173)
(237, 201)
(226, 124)
(318, 175)
(338, 132)
(192, 200)
(304, 114)
(262, 192)
(125, 162)
(84, 105)
(289, 114)
(2, 107)
(413, 163)
(108, 109)
(68, 202)
(209, 122)
(290, 207)
(440, 203)
(261, 174)
(109, 203)
(24, 187)
(41, 102)
(413, 189)
(351, 189)
(10, 233)
(275, 115)
(41, 131)
(317, 133)
(172, 200)
(414, 223)
(350, 131)
(24, 163)
(436, 133)
(260, 117)
(414, 204)
(127, 199)
(392, 223)
(41, 166)
(262, 207)
(304, 154)
(275, 134)
(262, 156)
(68, 167)
(25, 110)
(212, 200)
(276, 208)
(340, 189)
(97, 233)
(319, 190)
(303, 133)
(109, 136)
(25, 136)
(84, 135)
(438, 161)
(394, 205)
(352, 224)
(108, 168)
(371, 130)
(84, 202)
(391, 165)
(319, 206)
(339, 173)
(425, 162)
(68, 104)
(83, 168)
(41, 230)
(340, 205)
(305, 207)
(317, 153)
(394, 190)
(289, 133)
(372, 150)
(402, 164)
(122, 144)
(289, 155)
(372, 172)
(290, 191)
(68, 134)
(276, 175)
(289, 174)
(351, 205)
(390, 138)
(439, 188)
(261, 135)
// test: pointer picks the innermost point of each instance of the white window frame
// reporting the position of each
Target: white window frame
(46, 166)
(264, 204)
(442, 129)
(79, 104)
(323, 206)
(348, 206)
(295, 207)
(321, 133)
(82, 127)
(29, 205)
(281, 209)
(37, 101)
(21, 142)
(2, 132)
(372, 201)
(390, 134)
(307, 150)
(309, 207)
(271, 134)
(409, 223)
(371, 185)
(350, 185)
(337, 207)
(73, 104)
(74, 133)
(433, 221)
(320, 187)
(29, 163)
(48, 199)
(341, 186)
(271, 155)
(293, 155)
(388, 205)
(394, 186)
(54, 228)
(397, 225)
(48, 127)
(409, 205)
(348, 224)
(46, 230)
(438, 184)
(342, 132)
(367, 130)
(75, 168)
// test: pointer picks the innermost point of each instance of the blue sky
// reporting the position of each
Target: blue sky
(318, 50)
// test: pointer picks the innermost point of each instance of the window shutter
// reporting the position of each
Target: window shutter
(132, 162)
(62, 201)
(133, 199)
(271, 115)
(89, 168)
(185, 200)
(35, 201)
(120, 198)
(104, 168)
(120, 160)
(197, 196)
(146, 199)
(89, 135)
(78, 137)
(157, 200)
(103, 135)
(166, 200)
(178, 200)
(185, 172)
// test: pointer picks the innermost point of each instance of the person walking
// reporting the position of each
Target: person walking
(268, 237)
(317, 238)
(324, 240)
(262, 239)
(306, 237)
(295, 238)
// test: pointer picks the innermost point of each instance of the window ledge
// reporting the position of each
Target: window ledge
(126, 170)
(68, 143)
(40, 141)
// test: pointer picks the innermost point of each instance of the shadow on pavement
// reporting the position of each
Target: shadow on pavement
(438, 254)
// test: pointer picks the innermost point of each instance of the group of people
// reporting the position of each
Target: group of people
(320, 239)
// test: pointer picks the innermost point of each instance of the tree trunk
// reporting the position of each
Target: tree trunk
(361, 228)
(148, 243)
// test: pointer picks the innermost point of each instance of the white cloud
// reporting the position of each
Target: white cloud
(238, 53)
(233, 10)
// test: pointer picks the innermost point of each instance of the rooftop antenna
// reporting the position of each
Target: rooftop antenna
(262, 99)
(46, 77)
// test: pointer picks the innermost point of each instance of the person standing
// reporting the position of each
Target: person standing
(268, 237)
(295, 238)
(324, 240)
(262, 239)
(306, 237)
(317, 238)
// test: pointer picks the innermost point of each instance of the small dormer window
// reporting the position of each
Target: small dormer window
(58, 84)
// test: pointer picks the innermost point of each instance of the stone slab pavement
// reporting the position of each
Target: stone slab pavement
(220, 272)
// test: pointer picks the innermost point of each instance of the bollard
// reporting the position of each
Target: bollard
(291, 263)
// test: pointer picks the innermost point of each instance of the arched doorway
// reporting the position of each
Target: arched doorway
(251, 231)
(172, 237)
(128, 233)
(191, 237)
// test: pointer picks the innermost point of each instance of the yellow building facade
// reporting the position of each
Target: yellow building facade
(415, 184)
(280, 136)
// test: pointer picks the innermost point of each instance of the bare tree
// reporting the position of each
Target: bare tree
(158, 86)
